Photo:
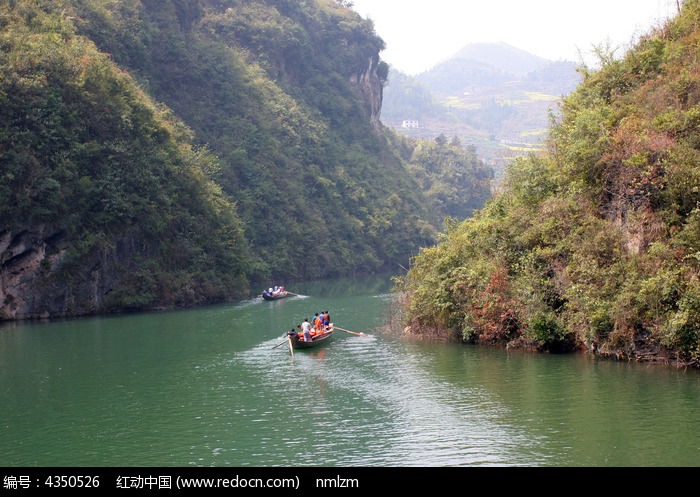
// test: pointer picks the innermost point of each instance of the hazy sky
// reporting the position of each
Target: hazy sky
(422, 33)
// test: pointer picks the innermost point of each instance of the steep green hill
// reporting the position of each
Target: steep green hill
(286, 95)
(596, 244)
(172, 153)
(105, 204)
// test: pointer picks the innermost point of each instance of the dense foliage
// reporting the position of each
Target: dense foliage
(267, 86)
(170, 152)
(595, 244)
(454, 180)
(85, 155)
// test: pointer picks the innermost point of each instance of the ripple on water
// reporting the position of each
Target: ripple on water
(362, 403)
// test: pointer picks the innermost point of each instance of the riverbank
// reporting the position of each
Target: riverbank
(640, 351)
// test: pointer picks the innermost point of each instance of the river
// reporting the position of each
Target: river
(207, 387)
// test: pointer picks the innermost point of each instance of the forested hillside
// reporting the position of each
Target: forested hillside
(594, 245)
(175, 152)
(104, 201)
(287, 96)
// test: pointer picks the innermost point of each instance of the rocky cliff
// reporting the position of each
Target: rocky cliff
(370, 86)
(34, 275)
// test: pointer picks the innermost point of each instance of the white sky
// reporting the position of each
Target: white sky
(422, 33)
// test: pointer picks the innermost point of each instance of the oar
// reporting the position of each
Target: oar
(285, 341)
(291, 349)
(292, 293)
(348, 331)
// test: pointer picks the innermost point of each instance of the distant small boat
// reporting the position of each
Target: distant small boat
(317, 338)
(274, 295)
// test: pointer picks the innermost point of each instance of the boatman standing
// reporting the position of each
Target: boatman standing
(306, 329)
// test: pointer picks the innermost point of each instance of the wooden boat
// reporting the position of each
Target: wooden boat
(274, 296)
(316, 338)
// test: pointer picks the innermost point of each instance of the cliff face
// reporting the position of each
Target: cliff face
(33, 283)
(21, 258)
(370, 87)
(27, 259)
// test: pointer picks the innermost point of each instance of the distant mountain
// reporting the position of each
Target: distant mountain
(493, 96)
(502, 56)
(454, 76)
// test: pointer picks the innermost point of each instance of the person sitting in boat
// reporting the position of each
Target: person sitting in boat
(306, 329)
(293, 335)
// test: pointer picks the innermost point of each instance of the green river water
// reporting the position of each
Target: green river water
(205, 387)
